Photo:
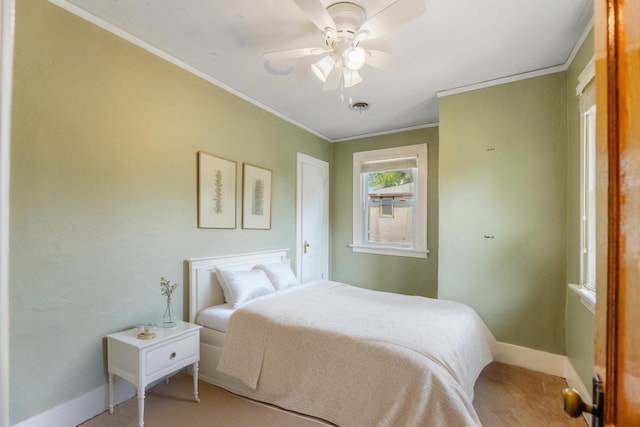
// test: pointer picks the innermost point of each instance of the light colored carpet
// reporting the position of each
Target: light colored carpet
(504, 396)
(172, 405)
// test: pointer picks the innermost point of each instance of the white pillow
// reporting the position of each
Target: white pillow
(280, 274)
(241, 286)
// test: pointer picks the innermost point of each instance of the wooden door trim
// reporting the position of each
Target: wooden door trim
(613, 196)
(617, 69)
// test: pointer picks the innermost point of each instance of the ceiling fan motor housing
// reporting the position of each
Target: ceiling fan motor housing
(348, 18)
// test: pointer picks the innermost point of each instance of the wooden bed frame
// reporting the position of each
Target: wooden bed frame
(205, 291)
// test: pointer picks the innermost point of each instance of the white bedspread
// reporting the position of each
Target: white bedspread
(357, 357)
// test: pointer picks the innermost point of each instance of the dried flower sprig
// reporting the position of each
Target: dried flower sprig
(166, 287)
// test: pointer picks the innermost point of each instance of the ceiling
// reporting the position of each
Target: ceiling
(453, 44)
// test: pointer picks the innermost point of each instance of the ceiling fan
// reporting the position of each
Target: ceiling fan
(344, 26)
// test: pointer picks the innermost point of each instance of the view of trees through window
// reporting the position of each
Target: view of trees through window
(379, 180)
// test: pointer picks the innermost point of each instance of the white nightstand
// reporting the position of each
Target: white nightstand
(143, 361)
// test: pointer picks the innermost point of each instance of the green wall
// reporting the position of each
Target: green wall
(579, 320)
(503, 208)
(103, 193)
(411, 276)
(103, 201)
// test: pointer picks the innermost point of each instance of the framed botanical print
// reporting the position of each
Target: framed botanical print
(256, 197)
(216, 191)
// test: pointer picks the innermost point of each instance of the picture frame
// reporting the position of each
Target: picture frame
(217, 188)
(256, 197)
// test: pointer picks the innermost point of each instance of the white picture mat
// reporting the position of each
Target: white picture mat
(216, 192)
(256, 201)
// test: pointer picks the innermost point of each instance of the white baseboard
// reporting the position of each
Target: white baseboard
(536, 360)
(96, 401)
(82, 408)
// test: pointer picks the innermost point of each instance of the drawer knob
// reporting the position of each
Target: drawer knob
(172, 355)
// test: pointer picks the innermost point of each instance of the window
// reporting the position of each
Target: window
(588, 189)
(390, 201)
(587, 104)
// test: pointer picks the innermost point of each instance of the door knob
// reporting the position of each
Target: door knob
(305, 246)
(574, 406)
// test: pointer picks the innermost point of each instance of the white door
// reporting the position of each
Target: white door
(312, 219)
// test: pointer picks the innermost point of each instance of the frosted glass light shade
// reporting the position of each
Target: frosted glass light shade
(323, 67)
(351, 78)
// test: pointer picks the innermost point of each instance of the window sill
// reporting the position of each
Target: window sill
(587, 296)
(385, 250)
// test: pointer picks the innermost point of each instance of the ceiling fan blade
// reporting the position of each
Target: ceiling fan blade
(378, 58)
(333, 79)
(394, 15)
(294, 53)
(316, 13)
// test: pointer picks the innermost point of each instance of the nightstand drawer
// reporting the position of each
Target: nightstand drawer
(171, 354)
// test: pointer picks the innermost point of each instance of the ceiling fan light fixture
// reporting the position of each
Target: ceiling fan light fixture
(351, 77)
(354, 57)
(323, 67)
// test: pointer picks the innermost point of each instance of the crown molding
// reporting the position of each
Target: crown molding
(579, 43)
(527, 75)
(78, 11)
(502, 80)
(385, 132)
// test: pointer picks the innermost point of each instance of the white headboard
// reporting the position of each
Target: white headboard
(204, 289)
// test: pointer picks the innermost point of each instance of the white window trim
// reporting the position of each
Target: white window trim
(587, 234)
(587, 296)
(419, 250)
(587, 101)
(586, 76)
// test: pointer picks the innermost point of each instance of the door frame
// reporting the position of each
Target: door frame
(7, 28)
(618, 281)
(300, 160)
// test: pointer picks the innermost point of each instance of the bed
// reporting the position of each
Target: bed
(344, 354)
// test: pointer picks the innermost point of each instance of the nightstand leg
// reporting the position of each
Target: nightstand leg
(140, 406)
(111, 393)
(195, 381)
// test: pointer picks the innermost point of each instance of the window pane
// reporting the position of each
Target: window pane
(396, 229)
(390, 203)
